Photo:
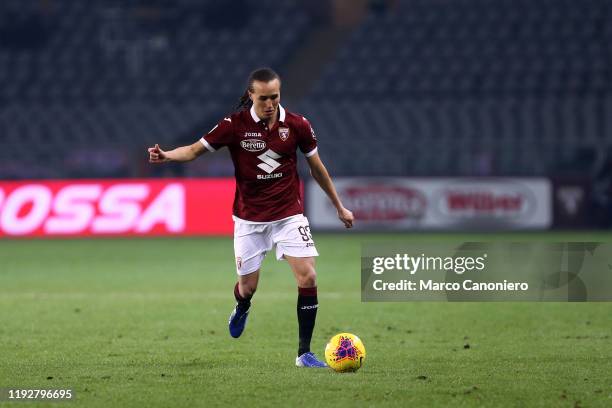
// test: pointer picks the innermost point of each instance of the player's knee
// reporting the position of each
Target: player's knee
(250, 291)
(308, 279)
(247, 290)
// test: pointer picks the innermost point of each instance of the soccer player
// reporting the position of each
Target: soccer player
(263, 138)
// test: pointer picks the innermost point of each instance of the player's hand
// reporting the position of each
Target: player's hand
(346, 217)
(157, 155)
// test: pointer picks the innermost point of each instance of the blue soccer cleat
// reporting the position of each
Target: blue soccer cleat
(237, 321)
(309, 360)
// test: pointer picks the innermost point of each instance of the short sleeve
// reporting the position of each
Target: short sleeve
(219, 136)
(307, 139)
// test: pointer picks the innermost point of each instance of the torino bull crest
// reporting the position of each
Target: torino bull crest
(283, 132)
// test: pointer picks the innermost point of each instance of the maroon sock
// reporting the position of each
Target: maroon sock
(243, 302)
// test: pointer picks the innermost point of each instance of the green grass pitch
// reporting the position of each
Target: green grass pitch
(143, 322)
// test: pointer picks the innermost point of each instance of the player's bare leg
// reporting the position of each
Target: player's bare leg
(307, 304)
(243, 292)
(247, 284)
(304, 271)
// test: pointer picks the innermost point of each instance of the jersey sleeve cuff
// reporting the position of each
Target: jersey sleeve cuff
(311, 153)
(207, 145)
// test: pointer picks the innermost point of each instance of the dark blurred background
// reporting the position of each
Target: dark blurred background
(393, 88)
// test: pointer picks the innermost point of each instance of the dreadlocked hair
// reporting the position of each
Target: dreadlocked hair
(262, 75)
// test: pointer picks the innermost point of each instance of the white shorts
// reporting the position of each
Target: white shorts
(253, 240)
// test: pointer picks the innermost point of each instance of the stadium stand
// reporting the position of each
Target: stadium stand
(421, 87)
(104, 78)
(468, 87)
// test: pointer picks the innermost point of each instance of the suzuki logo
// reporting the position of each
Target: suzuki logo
(269, 161)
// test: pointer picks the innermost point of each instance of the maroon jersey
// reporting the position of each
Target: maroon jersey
(265, 162)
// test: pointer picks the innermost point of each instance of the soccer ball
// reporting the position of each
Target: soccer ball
(345, 353)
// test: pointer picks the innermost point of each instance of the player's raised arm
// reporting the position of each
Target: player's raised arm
(180, 154)
(320, 174)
